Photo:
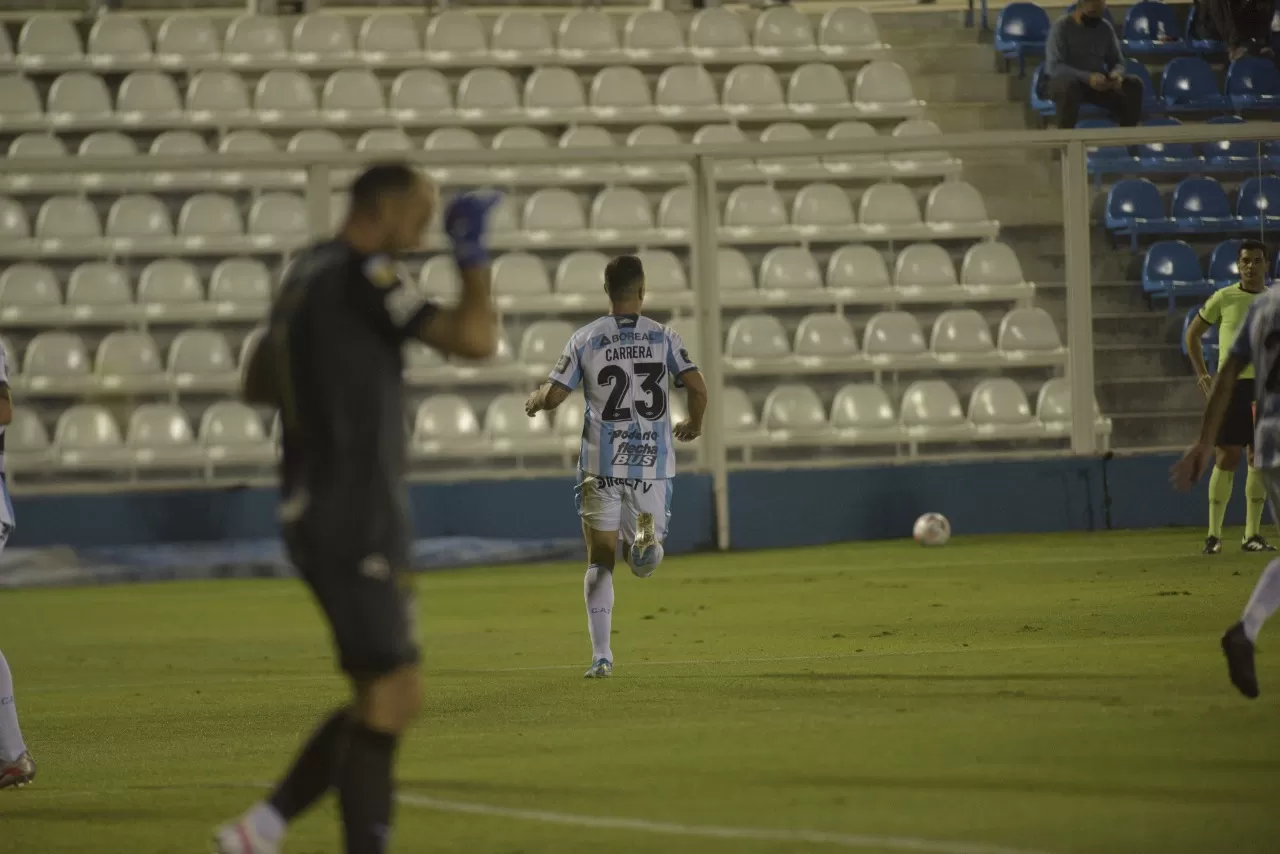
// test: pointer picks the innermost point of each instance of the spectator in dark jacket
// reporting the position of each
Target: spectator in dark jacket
(1085, 66)
(1245, 25)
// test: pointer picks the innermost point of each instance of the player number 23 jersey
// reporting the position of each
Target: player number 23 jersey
(625, 365)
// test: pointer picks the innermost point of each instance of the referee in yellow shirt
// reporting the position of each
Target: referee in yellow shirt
(1226, 309)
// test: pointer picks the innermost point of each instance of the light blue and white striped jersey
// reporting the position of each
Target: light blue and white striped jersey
(4, 383)
(1258, 342)
(625, 365)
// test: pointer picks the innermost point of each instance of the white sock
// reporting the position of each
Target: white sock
(598, 591)
(11, 744)
(1264, 601)
(266, 822)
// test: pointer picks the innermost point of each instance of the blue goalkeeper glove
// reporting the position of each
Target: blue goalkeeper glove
(466, 221)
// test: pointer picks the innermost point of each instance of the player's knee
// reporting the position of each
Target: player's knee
(391, 703)
(1229, 458)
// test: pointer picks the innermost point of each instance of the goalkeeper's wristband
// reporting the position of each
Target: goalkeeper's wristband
(471, 254)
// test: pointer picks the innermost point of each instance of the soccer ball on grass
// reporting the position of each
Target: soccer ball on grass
(932, 529)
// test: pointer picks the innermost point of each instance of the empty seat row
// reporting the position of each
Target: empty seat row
(752, 213)
(550, 94)
(98, 292)
(189, 143)
(923, 270)
(1223, 155)
(1171, 269)
(453, 34)
(1198, 205)
(958, 336)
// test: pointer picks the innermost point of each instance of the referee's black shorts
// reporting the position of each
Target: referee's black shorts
(368, 601)
(1237, 426)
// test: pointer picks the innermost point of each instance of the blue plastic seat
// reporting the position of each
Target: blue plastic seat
(1225, 154)
(1259, 202)
(1108, 158)
(1200, 204)
(1134, 206)
(1021, 28)
(1168, 156)
(1150, 97)
(1208, 341)
(1189, 84)
(1253, 83)
(1224, 267)
(1152, 28)
(1171, 269)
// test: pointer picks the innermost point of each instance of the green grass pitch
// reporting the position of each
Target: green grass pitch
(1060, 694)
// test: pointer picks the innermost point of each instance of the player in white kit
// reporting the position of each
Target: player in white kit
(626, 364)
(1258, 343)
(17, 768)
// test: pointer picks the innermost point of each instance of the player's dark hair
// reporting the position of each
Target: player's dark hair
(1250, 244)
(379, 180)
(623, 277)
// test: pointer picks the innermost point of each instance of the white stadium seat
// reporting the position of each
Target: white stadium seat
(955, 203)
(99, 290)
(999, 408)
(455, 33)
(138, 217)
(654, 32)
(284, 93)
(511, 430)
(519, 274)
(914, 160)
(587, 31)
(789, 268)
(19, 100)
(621, 209)
(544, 341)
(826, 335)
(439, 279)
(852, 163)
(755, 207)
(781, 134)
(199, 356)
(56, 361)
(67, 219)
(384, 140)
(675, 210)
(848, 29)
(208, 215)
(47, 38)
(524, 34)
(686, 89)
(889, 206)
(160, 436)
(893, 334)
(14, 225)
(735, 167)
(733, 270)
(6, 47)
(233, 433)
(783, 31)
(88, 438)
(751, 89)
(389, 35)
(859, 268)
(589, 136)
(823, 206)
(554, 91)
(991, 264)
(179, 143)
(757, 336)
(1027, 331)
(817, 86)
(621, 88)
(27, 445)
(108, 143)
(36, 144)
(863, 410)
(28, 291)
(687, 329)
(444, 422)
(353, 93)
(250, 141)
(281, 216)
(553, 210)
(240, 280)
(118, 38)
(719, 33)
(738, 414)
(322, 36)
(961, 335)
(254, 38)
(128, 361)
(794, 409)
(420, 92)
(421, 362)
(170, 282)
(186, 37)
(79, 96)
(488, 91)
(582, 272)
(924, 266)
(663, 272)
(883, 85)
(217, 93)
(931, 411)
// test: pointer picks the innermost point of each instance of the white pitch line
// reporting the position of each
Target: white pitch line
(754, 834)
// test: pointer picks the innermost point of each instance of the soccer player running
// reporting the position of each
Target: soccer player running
(1226, 309)
(17, 768)
(1257, 344)
(624, 362)
(331, 361)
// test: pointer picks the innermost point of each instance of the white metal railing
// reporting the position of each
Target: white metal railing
(702, 159)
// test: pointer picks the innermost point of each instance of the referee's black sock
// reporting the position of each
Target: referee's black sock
(314, 772)
(366, 790)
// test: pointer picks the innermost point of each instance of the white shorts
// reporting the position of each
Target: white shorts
(613, 503)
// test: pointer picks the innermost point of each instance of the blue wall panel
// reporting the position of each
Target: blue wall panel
(769, 509)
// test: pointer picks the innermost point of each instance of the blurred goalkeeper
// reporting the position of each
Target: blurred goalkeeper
(331, 362)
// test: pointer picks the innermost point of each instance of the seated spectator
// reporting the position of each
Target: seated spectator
(1084, 65)
(1245, 25)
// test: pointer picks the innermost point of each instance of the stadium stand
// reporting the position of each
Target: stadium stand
(870, 302)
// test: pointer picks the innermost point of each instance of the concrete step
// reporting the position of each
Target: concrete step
(997, 114)
(963, 87)
(940, 58)
(1149, 394)
(1135, 328)
(940, 27)
(1138, 362)
(1155, 429)
(1107, 299)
